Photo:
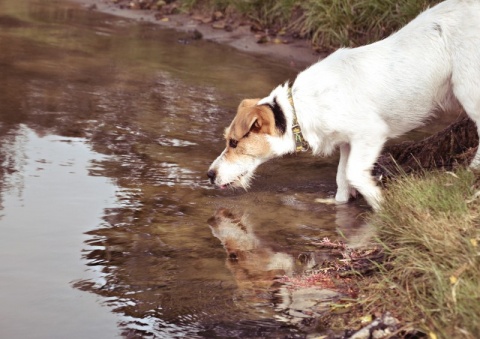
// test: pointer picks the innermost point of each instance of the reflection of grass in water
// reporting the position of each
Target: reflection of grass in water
(429, 226)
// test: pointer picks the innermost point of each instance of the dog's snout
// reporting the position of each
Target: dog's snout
(212, 174)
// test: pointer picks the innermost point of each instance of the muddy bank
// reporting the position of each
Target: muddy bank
(297, 53)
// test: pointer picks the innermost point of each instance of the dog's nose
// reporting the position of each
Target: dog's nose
(212, 175)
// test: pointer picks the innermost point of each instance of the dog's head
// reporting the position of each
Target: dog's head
(234, 231)
(249, 143)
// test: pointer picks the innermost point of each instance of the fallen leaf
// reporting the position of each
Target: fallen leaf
(218, 15)
(452, 174)
(219, 25)
(453, 279)
(366, 319)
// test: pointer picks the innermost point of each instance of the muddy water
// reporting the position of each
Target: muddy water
(108, 224)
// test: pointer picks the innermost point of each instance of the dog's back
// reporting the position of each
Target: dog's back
(442, 45)
(401, 80)
(358, 98)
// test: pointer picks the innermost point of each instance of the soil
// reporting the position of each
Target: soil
(452, 147)
(242, 35)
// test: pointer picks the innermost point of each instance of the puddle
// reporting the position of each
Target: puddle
(109, 226)
(49, 200)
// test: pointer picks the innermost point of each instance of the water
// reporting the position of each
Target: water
(41, 237)
(109, 227)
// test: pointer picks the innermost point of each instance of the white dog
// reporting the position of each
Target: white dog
(355, 99)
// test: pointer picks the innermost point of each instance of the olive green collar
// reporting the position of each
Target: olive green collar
(301, 145)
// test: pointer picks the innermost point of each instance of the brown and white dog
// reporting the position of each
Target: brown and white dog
(356, 99)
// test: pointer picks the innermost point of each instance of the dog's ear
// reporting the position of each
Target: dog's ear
(252, 118)
(248, 103)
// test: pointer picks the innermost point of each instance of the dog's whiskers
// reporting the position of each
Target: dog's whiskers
(245, 185)
(245, 181)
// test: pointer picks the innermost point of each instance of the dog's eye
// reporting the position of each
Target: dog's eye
(233, 256)
(233, 143)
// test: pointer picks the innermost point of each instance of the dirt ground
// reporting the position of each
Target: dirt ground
(296, 52)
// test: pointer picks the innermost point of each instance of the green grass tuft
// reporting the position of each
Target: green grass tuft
(334, 23)
(430, 228)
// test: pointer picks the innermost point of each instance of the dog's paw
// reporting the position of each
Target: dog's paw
(344, 196)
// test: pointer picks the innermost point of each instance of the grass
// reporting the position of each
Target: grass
(266, 13)
(334, 23)
(430, 229)
(329, 24)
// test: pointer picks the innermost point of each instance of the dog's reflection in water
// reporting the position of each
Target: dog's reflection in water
(254, 264)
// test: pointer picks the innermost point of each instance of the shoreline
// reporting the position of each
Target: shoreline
(297, 53)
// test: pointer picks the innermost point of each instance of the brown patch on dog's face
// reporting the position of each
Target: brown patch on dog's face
(246, 134)
(251, 118)
(233, 231)
(253, 263)
(223, 214)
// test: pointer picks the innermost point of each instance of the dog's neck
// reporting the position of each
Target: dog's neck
(301, 144)
(282, 104)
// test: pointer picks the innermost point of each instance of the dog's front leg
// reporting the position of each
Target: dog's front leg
(344, 190)
(359, 167)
